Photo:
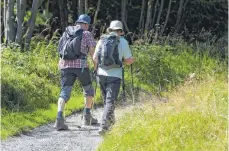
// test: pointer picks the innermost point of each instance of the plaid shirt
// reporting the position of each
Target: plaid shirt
(87, 41)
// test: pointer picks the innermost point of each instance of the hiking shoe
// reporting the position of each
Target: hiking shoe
(60, 125)
(88, 118)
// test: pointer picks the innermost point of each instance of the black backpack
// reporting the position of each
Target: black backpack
(69, 47)
(108, 56)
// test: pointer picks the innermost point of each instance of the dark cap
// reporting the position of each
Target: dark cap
(84, 19)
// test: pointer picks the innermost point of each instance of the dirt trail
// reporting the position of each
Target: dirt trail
(45, 138)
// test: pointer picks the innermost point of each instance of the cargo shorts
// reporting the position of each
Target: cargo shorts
(68, 78)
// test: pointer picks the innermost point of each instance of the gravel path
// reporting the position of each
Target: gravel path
(77, 138)
(45, 138)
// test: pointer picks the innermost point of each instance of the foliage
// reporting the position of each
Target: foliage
(29, 77)
(161, 68)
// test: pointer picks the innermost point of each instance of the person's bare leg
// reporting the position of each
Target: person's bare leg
(59, 124)
(61, 104)
(88, 102)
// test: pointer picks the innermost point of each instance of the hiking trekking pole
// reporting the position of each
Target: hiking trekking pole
(129, 38)
(123, 86)
(132, 83)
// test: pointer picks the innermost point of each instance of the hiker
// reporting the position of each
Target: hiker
(73, 64)
(110, 50)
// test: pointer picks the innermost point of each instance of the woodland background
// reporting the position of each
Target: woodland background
(194, 20)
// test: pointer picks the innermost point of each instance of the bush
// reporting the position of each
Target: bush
(161, 68)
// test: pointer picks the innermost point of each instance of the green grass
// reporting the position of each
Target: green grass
(30, 80)
(30, 89)
(195, 118)
(13, 123)
(161, 68)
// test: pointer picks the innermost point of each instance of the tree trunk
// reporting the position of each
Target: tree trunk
(74, 10)
(4, 17)
(183, 15)
(21, 4)
(141, 21)
(10, 20)
(179, 14)
(63, 14)
(167, 17)
(154, 15)
(185, 4)
(96, 14)
(86, 6)
(123, 14)
(149, 14)
(117, 12)
(80, 7)
(158, 19)
(31, 23)
(46, 11)
(160, 11)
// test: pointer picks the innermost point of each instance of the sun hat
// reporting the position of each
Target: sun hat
(115, 25)
(84, 19)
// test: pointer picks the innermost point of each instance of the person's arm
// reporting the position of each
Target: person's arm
(91, 43)
(95, 56)
(127, 56)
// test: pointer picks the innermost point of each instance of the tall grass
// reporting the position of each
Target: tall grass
(30, 88)
(195, 118)
(161, 68)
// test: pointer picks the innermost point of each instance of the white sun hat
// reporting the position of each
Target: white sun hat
(115, 25)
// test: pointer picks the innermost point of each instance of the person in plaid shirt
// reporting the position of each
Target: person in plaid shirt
(72, 69)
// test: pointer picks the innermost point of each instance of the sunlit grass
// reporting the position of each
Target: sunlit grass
(194, 118)
(15, 122)
(30, 89)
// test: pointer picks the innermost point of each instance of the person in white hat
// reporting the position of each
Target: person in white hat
(111, 52)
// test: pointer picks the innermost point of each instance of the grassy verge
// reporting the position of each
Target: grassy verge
(30, 89)
(16, 122)
(195, 118)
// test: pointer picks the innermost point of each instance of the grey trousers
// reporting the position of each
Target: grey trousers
(110, 88)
